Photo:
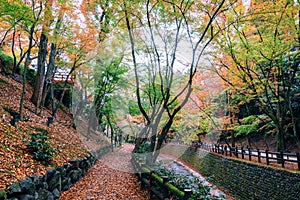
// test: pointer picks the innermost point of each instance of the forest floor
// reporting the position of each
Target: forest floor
(16, 161)
(112, 177)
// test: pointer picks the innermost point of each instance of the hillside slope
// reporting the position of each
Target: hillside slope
(16, 161)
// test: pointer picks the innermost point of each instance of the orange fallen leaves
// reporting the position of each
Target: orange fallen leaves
(105, 182)
(16, 162)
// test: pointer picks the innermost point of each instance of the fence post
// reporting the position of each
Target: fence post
(267, 157)
(165, 190)
(151, 184)
(242, 149)
(258, 155)
(143, 187)
(222, 149)
(225, 149)
(282, 159)
(230, 153)
(236, 152)
(187, 194)
(249, 151)
(298, 160)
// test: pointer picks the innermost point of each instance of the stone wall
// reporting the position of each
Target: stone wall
(49, 186)
(245, 180)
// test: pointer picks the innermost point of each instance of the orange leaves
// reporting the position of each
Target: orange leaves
(103, 181)
(16, 162)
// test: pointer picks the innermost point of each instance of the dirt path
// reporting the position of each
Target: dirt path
(111, 178)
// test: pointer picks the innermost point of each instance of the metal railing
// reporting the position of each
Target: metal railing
(241, 152)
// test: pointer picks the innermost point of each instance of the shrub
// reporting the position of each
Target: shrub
(39, 147)
(6, 62)
(133, 108)
(4, 82)
(144, 148)
(199, 189)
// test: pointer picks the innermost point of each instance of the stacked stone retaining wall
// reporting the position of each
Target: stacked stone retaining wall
(242, 179)
(50, 185)
(245, 180)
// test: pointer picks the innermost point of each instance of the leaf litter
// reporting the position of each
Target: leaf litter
(105, 180)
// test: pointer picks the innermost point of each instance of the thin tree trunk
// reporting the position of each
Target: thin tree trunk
(13, 51)
(292, 118)
(27, 61)
(280, 145)
(169, 123)
(111, 132)
(63, 93)
(52, 97)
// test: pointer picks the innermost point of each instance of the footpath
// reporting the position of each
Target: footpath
(111, 178)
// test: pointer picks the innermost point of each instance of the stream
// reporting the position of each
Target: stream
(180, 168)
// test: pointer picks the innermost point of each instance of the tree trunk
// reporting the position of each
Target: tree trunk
(27, 61)
(161, 139)
(63, 93)
(232, 138)
(141, 138)
(40, 77)
(52, 97)
(13, 51)
(51, 64)
(49, 73)
(111, 132)
(280, 143)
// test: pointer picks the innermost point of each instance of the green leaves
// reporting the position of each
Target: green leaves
(40, 147)
(185, 181)
(14, 11)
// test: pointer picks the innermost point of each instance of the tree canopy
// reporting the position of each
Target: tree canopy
(222, 62)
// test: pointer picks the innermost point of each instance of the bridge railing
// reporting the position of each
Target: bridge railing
(61, 77)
